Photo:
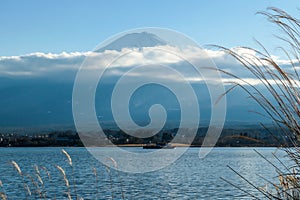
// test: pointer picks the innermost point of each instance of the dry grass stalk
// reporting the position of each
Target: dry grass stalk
(62, 171)
(25, 186)
(110, 181)
(28, 189)
(3, 196)
(113, 162)
(36, 168)
(40, 179)
(73, 175)
(69, 196)
(16, 166)
(280, 96)
(96, 181)
(118, 172)
(37, 188)
(47, 171)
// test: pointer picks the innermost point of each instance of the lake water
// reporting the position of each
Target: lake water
(188, 178)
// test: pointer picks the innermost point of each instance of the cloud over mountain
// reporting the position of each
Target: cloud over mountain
(37, 88)
(49, 65)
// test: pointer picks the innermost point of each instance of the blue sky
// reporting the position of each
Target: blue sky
(56, 26)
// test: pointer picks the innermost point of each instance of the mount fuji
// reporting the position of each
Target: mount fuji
(134, 40)
(46, 100)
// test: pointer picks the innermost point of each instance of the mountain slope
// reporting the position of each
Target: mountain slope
(134, 40)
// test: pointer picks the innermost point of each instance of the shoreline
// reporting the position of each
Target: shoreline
(177, 145)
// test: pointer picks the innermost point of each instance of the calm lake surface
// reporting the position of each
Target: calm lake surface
(188, 178)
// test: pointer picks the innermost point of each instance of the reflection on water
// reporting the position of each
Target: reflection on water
(187, 178)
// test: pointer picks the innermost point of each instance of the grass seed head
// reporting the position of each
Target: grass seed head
(16, 166)
(67, 156)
